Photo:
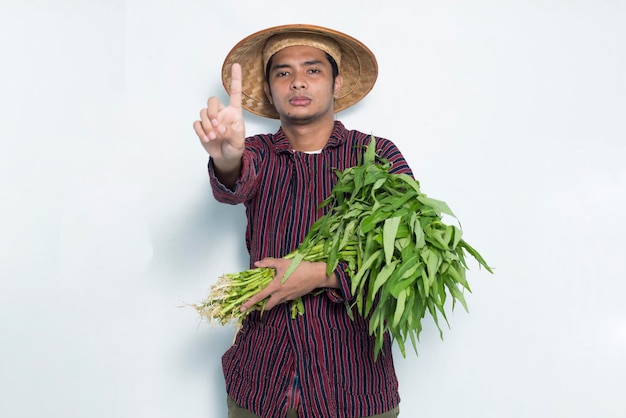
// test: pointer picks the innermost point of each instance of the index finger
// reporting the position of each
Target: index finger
(235, 86)
(258, 297)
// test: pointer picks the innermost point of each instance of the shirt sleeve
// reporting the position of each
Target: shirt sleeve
(244, 187)
(344, 293)
(391, 152)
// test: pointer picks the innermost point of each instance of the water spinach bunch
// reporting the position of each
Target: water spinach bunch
(403, 260)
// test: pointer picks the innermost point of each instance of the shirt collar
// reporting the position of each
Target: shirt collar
(337, 137)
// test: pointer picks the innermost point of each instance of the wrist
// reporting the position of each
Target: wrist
(325, 281)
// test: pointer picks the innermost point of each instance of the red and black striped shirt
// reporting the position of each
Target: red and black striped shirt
(322, 356)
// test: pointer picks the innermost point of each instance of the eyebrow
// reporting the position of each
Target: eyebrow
(305, 63)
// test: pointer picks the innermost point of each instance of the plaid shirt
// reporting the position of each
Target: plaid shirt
(320, 363)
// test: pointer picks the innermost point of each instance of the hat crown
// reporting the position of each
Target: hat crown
(285, 40)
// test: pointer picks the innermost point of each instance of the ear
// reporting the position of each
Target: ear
(268, 92)
(338, 85)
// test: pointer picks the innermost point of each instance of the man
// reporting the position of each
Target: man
(321, 363)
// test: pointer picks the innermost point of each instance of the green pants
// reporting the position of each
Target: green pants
(235, 411)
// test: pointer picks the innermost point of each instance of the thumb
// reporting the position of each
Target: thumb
(268, 262)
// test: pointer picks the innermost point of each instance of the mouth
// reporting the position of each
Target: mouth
(299, 101)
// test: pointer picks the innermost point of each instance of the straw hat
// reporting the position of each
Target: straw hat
(357, 64)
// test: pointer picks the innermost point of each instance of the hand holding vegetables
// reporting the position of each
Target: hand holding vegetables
(308, 277)
(403, 260)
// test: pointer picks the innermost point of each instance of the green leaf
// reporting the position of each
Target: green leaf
(409, 181)
(371, 221)
(364, 269)
(390, 229)
(433, 314)
(416, 226)
(384, 274)
(476, 255)
(396, 283)
(456, 293)
(295, 262)
(458, 234)
(439, 205)
(399, 308)
(457, 273)
(432, 266)
(369, 156)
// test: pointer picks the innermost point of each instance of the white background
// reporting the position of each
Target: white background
(511, 111)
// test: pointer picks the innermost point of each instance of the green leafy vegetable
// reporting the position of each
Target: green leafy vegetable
(403, 260)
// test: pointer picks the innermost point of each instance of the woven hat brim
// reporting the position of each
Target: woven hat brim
(358, 68)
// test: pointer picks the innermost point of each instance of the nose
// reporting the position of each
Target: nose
(298, 82)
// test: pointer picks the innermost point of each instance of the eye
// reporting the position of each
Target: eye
(281, 73)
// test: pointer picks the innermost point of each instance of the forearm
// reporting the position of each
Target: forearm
(227, 172)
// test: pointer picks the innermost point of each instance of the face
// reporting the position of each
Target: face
(301, 84)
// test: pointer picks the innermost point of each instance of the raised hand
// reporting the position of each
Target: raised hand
(221, 128)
